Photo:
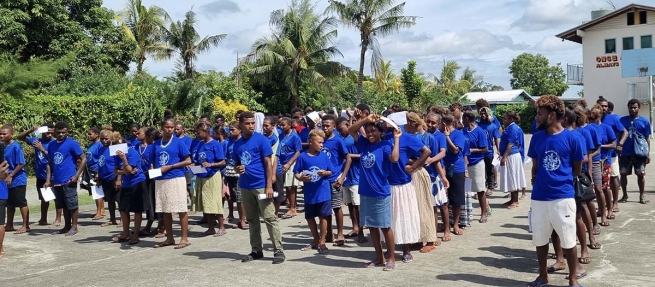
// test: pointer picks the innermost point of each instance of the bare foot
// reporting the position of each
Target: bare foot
(447, 237)
(458, 231)
(22, 230)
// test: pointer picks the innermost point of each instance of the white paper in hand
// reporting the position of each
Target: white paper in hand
(47, 194)
(97, 192)
(528, 160)
(400, 118)
(263, 195)
(41, 130)
(390, 122)
(114, 148)
(154, 173)
(496, 161)
(196, 169)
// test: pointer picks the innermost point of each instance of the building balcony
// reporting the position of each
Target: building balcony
(574, 74)
(639, 91)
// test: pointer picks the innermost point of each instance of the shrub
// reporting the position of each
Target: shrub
(228, 109)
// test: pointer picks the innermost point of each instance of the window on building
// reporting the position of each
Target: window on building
(642, 17)
(631, 18)
(628, 43)
(647, 41)
(610, 46)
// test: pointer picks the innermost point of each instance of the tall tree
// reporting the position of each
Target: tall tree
(373, 19)
(145, 26)
(534, 74)
(183, 39)
(301, 45)
(448, 82)
(412, 82)
(385, 80)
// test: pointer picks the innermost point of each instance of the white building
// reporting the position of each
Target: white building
(603, 39)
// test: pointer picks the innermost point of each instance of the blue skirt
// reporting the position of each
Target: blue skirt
(375, 212)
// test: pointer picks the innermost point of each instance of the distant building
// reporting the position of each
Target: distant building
(496, 98)
(603, 39)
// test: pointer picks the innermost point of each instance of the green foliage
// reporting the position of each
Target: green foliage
(18, 78)
(534, 74)
(525, 112)
(412, 82)
(95, 82)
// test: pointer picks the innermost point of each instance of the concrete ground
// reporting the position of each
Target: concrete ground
(498, 253)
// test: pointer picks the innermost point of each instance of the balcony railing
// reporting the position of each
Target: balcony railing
(574, 74)
(639, 91)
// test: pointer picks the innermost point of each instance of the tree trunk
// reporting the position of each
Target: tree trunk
(294, 91)
(139, 66)
(188, 70)
(360, 77)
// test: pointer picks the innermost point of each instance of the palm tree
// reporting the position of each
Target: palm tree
(184, 40)
(145, 27)
(447, 80)
(302, 44)
(373, 19)
(476, 81)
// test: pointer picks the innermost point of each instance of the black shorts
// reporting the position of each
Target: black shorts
(3, 209)
(17, 196)
(233, 186)
(66, 196)
(135, 198)
(489, 172)
(109, 188)
(278, 187)
(629, 163)
(39, 185)
(456, 195)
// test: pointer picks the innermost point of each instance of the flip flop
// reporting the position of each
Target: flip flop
(483, 220)
(596, 230)
(605, 223)
(22, 231)
(623, 199)
(578, 275)
(134, 241)
(408, 258)
(323, 249)
(119, 239)
(287, 216)
(220, 233)
(584, 260)
(163, 244)
(160, 235)
(182, 245)
(373, 264)
(595, 245)
(612, 216)
(59, 232)
(71, 232)
(362, 240)
(308, 247)
(537, 283)
(98, 217)
(389, 267)
(205, 234)
(428, 249)
(339, 243)
(143, 233)
(644, 201)
(54, 224)
(351, 235)
(553, 269)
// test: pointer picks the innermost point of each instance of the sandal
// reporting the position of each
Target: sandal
(134, 241)
(595, 245)
(144, 233)
(605, 223)
(339, 243)
(611, 216)
(428, 249)
(164, 244)
(323, 249)
(596, 230)
(206, 233)
(182, 245)
(623, 199)
(308, 247)
(160, 235)
(483, 220)
(578, 275)
(98, 217)
(644, 201)
(408, 258)
(71, 232)
(537, 283)
(389, 267)
(584, 260)
(220, 233)
(118, 239)
(489, 193)
(553, 269)
(372, 264)
(242, 226)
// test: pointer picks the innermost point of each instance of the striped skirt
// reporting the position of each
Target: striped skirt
(423, 187)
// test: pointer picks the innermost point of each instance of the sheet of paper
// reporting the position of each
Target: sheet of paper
(263, 195)
(345, 114)
(496, 161)
(154, 173)
(196, 169)
(47, 194)
(528, 160)
(400, 118)
(467, 184)
(97, 192)
(334, 109)
(315, 117)
(114, 148)
(390, 122)
(41, 130)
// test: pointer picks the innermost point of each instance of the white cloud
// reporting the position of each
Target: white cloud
(542, 15)
(241, 41)
(552, 43)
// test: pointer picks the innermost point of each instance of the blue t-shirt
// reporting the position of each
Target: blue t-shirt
(4, 191)
(92, 156)
(373, 180)
(14, 156)
(63, 159)
(187, 141)
(193, 149)
(304, 137)
(272, 139)
(554, 156)
(614, 121)
(230, 150)
(492, 133)
(211, 152)
(535, 128)
(477, 138)
(608, 137)
(134, 160)
(430, 142)
(441, 142)
(130, 140)
(105, 164)
(289, 145)
(510, 135)
(410, 147)
(40, 160)
(224, 147)
(456, 159)
(595, 128)
(146, 156)
(318, 190)
(639, 126)
(336, 151)
(251, 153)
(522, 145)
(352, 178)
(170, 153)
(134, 143)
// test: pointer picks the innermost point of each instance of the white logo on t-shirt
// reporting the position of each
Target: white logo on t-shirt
(58, 158)
(101, 160)
(40, 155)
(202, 157)
(313, 173)
(163, 158)
(552, 161)
(368, 160)
(327, 152)
(246, 158)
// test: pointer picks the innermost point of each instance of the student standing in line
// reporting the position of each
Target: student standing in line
(598, 165)
(209, 185)
(455, 170)
(16, 180)
(438, 176)
(232, 177)
(252, 154)
(134, 195)
(4, 194)
(377, 155)
(269, 125)
(492, 132)
(133, 141)
(41, 161)
(63, 154)
(314, 168)
(478, 145)
(608, 147)
(638, 127)
(106, 178)
(512, 176)
(614, 121)
(147, 136)
(337, 152)
(92, 157)
(290, 148)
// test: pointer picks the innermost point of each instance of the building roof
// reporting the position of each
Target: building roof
(573, 36)
(500, 97)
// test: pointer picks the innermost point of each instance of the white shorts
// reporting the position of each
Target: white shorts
(289, 178)
(558, 215)
(614, 167)
(477, 176)
(351, 195)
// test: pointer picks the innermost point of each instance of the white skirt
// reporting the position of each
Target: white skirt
(405, 217)
(512, 175)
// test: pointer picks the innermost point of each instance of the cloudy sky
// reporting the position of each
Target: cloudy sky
(482, 34)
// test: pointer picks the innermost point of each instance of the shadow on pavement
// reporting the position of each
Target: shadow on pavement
(482, 280)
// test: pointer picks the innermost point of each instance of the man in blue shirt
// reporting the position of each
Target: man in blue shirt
(557, 156)
(16, 180)
(62, 176)
(614, 121)
(638, 127)
(40, 162)
(252, 156)
(4, 194)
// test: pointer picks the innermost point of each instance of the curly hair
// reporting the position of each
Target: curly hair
(596, 112)
(455, 105)
(482, 103)
(316, 133)
(552, 103)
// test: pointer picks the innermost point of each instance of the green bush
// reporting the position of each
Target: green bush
(525, 112)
